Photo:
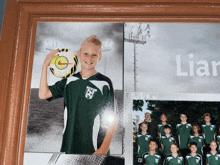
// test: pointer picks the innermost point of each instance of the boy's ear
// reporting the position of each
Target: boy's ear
(100, 56)
(79, 53)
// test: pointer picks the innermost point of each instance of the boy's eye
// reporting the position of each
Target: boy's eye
(86, 54)
(94, 55)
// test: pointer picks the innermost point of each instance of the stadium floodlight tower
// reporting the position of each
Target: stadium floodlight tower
(106, 47)
(139, 37)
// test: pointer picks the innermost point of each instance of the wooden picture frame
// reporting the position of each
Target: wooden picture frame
(17, 46)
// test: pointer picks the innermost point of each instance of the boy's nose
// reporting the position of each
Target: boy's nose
(89, 57)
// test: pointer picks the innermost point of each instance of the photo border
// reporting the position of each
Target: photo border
(17, 46)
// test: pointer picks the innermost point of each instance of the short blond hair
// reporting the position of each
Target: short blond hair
(93, 40)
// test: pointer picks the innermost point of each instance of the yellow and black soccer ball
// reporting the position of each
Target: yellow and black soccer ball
(65, 64)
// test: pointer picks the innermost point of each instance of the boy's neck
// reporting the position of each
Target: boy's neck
(87, 73)
(168, 135)
(208, 123)
(144, 133)
(175, 154)
(213, 152)
(196, 134)
(164, 122)
(152, 152)
(183, 122)
(193, 153)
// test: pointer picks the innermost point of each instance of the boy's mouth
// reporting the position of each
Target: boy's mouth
(89, 63)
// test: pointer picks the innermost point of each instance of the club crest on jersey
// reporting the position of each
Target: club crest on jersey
(199, 140)
(90, 92)
(216, 158)
(139, 160)
(156, 160)
(178, 161)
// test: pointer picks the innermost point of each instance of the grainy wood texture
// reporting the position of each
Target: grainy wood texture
(17, 46)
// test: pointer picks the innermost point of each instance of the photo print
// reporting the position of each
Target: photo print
(172, 58)
(179, 122)
(46, 120)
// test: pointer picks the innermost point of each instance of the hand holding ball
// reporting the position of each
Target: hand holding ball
(65, 64)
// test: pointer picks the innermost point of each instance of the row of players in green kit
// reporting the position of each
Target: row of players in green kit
(183, 131)
(193, 158)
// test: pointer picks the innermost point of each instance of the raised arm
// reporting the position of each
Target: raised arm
(108, 136)
(44, 91)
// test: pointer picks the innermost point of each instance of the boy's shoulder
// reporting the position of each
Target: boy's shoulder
(188, 124)
(146, 154)
(178, 125)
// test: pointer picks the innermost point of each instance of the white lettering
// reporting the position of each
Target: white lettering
(178, 64)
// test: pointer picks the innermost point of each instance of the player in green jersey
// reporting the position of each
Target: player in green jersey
(160, 127)
(213, 158)
(174, 158)
(88, 98)
(183, 131)
(143, 140)
(166, 140)
(193, 158)
(218, 139)
(197, 138)
(152, 157)
(208, 131)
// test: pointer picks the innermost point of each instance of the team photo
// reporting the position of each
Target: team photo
(184, 132)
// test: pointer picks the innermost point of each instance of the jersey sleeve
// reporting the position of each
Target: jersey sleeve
(177, 129)
(189, 140)
(160, 161)
(142, 160)
(108, 97)
(137, 140)
(57, 90)
(207, 160)
(203, 141)
(165, 162)
(186, 160)
(215, 130)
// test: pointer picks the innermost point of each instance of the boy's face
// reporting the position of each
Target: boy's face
(174, 148)
(193, 148)
(195, 129)
(153, 146)
(144, 127)
(207, 119)
(89, 55)
(167, 131)
(147, 116)
(213, 146)
(183, 118)
(163, 118)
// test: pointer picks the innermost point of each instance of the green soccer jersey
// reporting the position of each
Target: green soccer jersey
(183, 132)
(143, 144)
(166, 141)
(218, 141)
(199, 141)
(149, 159)
(160, 128)
(208, 132)
(86, 101)
(194, 160)
(213, 159)
(171, 160)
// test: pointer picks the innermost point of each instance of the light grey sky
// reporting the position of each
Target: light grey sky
(157, 65)
(53, 35)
